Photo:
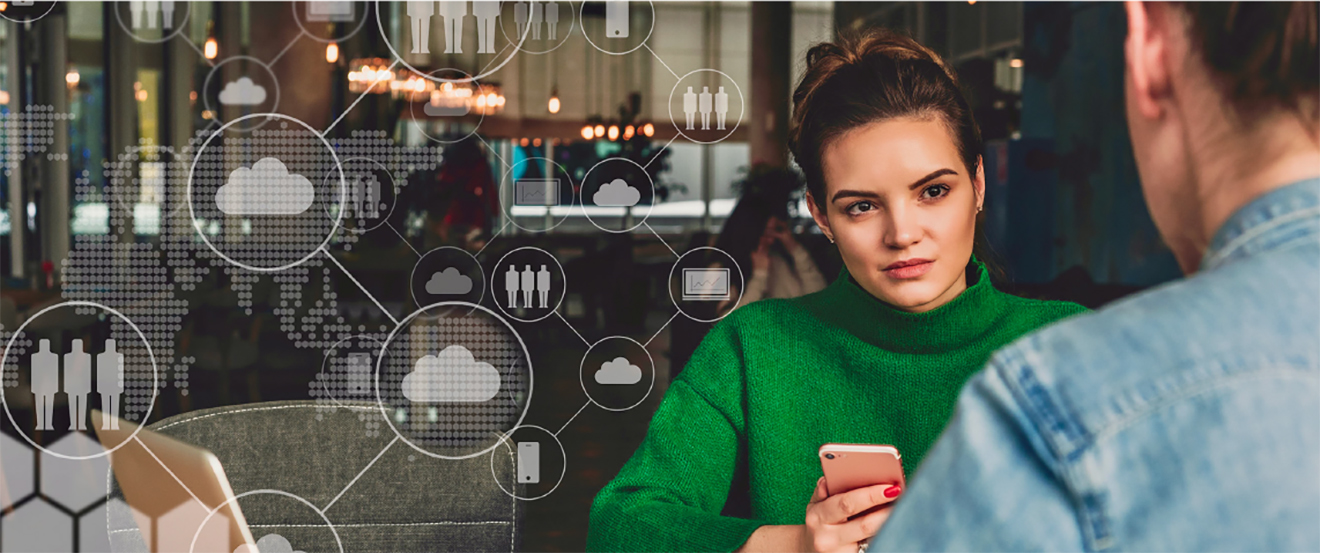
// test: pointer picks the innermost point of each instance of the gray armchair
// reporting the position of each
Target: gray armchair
(407, 501)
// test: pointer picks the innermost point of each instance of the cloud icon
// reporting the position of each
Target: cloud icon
(449, 281)
(268, 188)
(453, 376)
(618, 371)
(616, 193)
(443, 107)
(242, 92)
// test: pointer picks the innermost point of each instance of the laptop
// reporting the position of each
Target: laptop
(180, 497)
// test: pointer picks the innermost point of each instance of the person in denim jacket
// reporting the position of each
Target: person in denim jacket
(1186, 417)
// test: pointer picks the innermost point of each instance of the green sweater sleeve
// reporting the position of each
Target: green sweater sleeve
(669, 495)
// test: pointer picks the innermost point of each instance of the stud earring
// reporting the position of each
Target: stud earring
(831, 239)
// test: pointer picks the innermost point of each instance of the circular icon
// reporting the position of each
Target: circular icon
(26, 12)
(532, 462)
(612, 373)
(548, 30)
(150, 18)
(268, 542)
(706, 282)
(531, 280)
(706, 107)
(613, 190)
(372, 194)
(417, 18)
(447, 274)
(541, 192)
(451, 377)
(251, 201)
(143, 175)
(252, 96)
(116, 365)
(351, 363)
(617, 34)
(448, 107)
(325, 16)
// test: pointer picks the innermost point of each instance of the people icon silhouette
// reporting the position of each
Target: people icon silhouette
(419, 15)
(486, 11)
(511, 285)
(721, 107)
(528, 285)
(552, 19)
(77, 383)
(45, 384)
(110, 383)
(543, 285)
(453, 13)
(690, 107)
(703, 103)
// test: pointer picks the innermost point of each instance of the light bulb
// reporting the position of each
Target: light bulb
(331, 52)
(212, 48)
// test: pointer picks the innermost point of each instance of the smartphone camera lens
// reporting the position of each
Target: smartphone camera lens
(829, 455)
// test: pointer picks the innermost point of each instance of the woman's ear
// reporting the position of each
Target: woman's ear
(819, 216)
(978, 183)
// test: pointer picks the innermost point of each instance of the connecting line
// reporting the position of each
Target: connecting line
(387, 313)
(662, 62)
(570, 419)
(196, 49)
(493, 59)
(286, 48)
(662, 240)
(359, 474)
(662, 328)
(489, 147)
(405, 240)
(570, 327)
(364, 94)
(167, 469)
(492, 239)
(658, 152)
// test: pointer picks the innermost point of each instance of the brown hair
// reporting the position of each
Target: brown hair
(1262, 55)
(870, 77)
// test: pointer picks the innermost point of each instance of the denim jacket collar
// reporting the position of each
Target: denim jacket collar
(1265, 223)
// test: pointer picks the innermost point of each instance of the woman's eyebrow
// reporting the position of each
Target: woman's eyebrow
(932, 175)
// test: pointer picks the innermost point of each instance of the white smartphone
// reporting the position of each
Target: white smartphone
(616, 18)
(529, 462)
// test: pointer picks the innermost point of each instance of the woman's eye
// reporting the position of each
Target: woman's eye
(859, 208)
(935, 191)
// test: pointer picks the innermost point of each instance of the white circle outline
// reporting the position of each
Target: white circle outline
(308, 34)
(393, 183)
(35, 19)
(137, 151)
(628, 209)
(206, 83)
(508, 209)
(120, 20)
(582, 367)
(563, 468)
(334, 347)
(155, 378)
(571, 24)
(328, 524)
(343, 192)
(421, 129)
(670, 284)
(531, 377)
(413, 273)
(587, 35)
(496, 297)
(742, 102)
(409, 66)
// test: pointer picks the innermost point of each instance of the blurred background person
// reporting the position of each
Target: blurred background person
(1183, 418)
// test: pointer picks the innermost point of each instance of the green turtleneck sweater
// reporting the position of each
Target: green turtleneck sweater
(774, 381)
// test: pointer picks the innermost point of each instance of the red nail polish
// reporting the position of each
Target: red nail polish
(893, 491)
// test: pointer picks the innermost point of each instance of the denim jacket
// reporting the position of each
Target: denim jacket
(1183, 418)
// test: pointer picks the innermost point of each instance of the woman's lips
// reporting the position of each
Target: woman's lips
(904, 270)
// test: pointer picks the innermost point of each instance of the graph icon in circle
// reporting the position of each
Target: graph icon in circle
(705, 284)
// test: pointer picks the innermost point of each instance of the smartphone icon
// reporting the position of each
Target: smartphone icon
(529, 462)
(616, 18)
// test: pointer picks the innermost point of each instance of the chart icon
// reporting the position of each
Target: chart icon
(536, 192)
(705, 284)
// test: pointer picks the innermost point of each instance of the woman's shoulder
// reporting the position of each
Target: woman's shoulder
(1042, 310)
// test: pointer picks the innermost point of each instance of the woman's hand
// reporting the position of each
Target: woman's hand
(828, 528)
(761, 256)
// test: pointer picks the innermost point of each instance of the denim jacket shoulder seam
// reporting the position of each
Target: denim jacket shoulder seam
(1242, 240)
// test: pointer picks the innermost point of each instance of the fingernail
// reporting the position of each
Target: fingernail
(893, 491)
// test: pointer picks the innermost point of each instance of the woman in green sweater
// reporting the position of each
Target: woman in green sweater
(894, 178)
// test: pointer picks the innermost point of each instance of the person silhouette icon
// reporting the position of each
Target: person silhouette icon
(511, 286)
(77, 383)
(453, 13)
(485, 11)
(552, 19)
(520, 18)
(721, 107)
(419, 16)
(110, 384)
(703, 104)
(543, 285)
(690, 107)
(45, 384)
(528, 285)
